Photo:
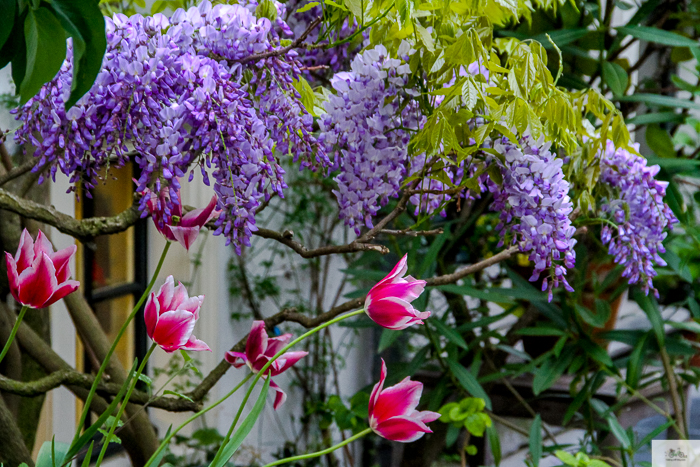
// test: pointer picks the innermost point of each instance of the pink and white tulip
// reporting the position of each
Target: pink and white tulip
(389, 302)
(38, 276)
(392, 411)
(186, 229)
(170, 316)
(259, 349)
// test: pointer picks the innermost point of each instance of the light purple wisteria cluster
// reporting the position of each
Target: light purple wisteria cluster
(534, 207)
(179, 93)
(363, 129)
(638, 209)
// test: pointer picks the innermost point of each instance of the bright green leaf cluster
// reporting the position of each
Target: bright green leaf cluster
(467, 413)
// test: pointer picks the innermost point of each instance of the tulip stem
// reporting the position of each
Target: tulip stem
(267, 365)
(167, 439)
(108, 357)
(124, 402)
(321, 453)
(13, 333)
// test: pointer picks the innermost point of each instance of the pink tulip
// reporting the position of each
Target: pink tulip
(392, 411)
(186, 229)
(389, 302)
(170, 316)
(259, 349)
(39, 277)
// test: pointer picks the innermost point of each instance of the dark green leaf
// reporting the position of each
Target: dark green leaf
(449, 333)
(619, 432)
(7, 19)
(635, 363)
(657, 100)
(46, 50)
(387, 338)
(652, 311)
(658, 36)
(596, 352)
(551, 370)
(660, 141)
(240, 435)
(595, 318)
(536, 440)
(657, 431)
(85, 17)
(540, 331)
(615, 77)
(561, 37)
(468, 381)
(656, 117)
(177, 394)
(494, 444)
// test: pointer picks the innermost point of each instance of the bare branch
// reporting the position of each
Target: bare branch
(84, 230)
(17, 171)
(286, 239)
(412, 233)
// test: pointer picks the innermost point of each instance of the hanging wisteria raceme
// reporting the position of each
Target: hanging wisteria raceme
(363, 130)
(638, 209)
(175, 91)
(534, 207)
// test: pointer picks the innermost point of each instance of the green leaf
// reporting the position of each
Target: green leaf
(177, 394)
(657, 431)
(536, 440)
(658, 100)
(494, 444)
(449, 333)
(88, 455)
(658, 36)
(656, 117)
(619, 432)
(468, 382)
(51, 454)
(652, 311)
(540, 331)
(387, 338)
(660, 141)
(237, 439)
(46, 50)
(403, 7)
(566, 458)
(7, 19)
(550, 371)
(596, 352)
(307, 7)
(87, 19)
(561, 37)
(615, 77)
(595, 319)
(636, 362)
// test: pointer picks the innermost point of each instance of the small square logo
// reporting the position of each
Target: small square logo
(675, 453)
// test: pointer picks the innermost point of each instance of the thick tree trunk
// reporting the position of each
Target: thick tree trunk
(13, 451)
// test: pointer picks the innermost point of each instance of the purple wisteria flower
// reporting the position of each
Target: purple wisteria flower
(638, 209)
(362, 129)
(534, 208)
(175, 91)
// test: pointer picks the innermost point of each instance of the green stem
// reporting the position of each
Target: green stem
(321, 453)
(267, 365)
(13, 333)
(124, 403)
(167, 439)
(108, 357)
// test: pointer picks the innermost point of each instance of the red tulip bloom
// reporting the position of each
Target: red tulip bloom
(186, 229)
(259, 349)
(389, 302)
(170, 316)
(39, 276)
(392, 411)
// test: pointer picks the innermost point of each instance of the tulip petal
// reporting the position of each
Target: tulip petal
(174, 329)
(185, 236)
(407, 291)
(68, 287)
(199, 217)
(192, 304)
(286, 361)
(25, 252)
(165, 293)
(377, 389)
(179, 295)
(275, 344)
(402, 429)
(280, 395)
(237, 359)
(12, 276)
(398, 400)
(256, 344)
(195, 344)
(398, 271)
(37, 283)
(394, 313)
(61, 261)
(42, 245)
(150, 314)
